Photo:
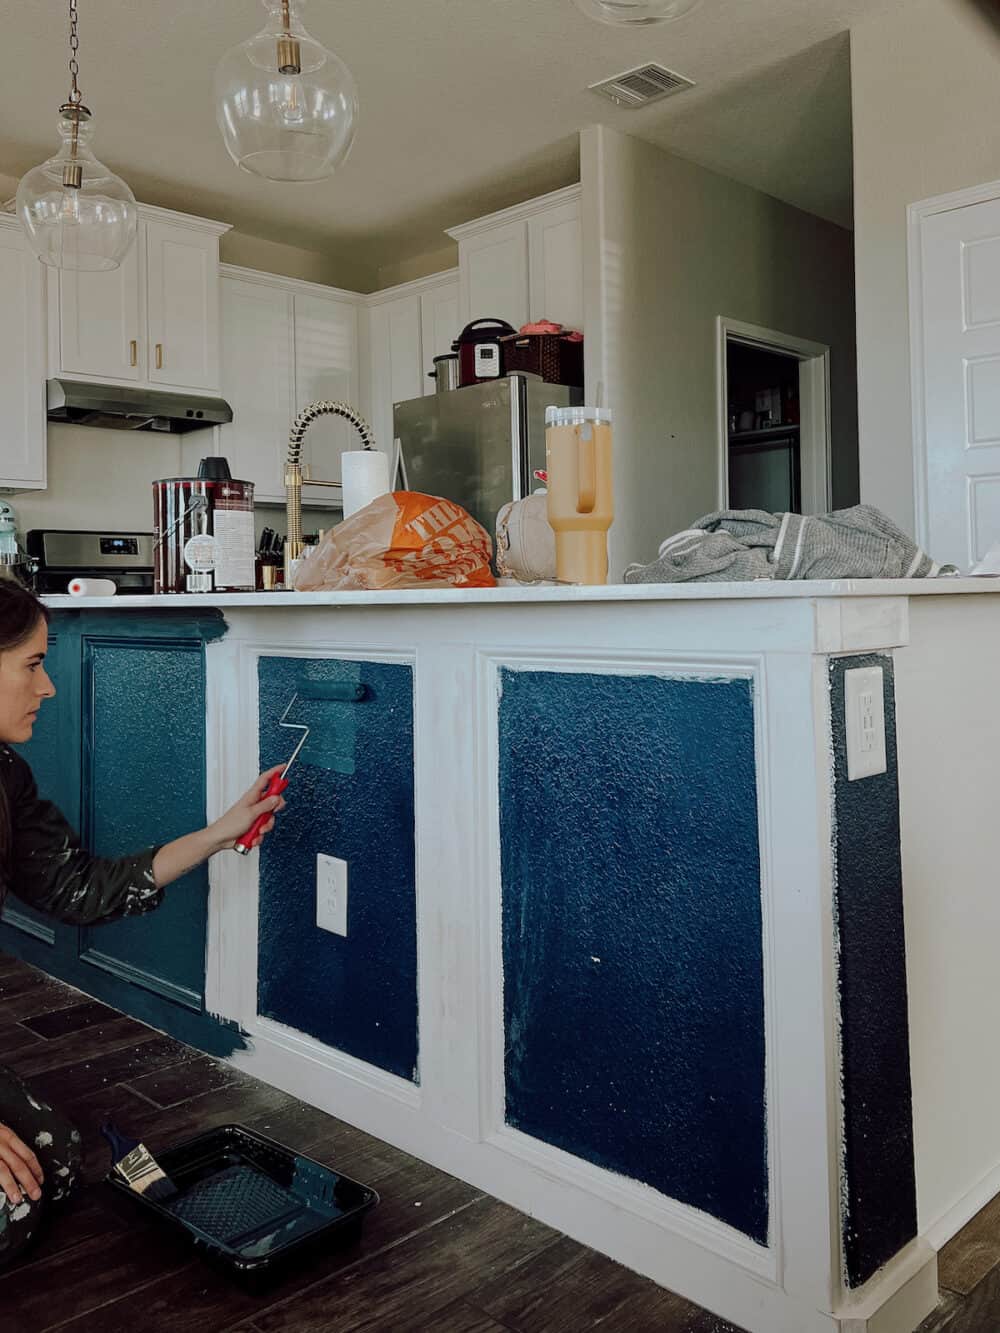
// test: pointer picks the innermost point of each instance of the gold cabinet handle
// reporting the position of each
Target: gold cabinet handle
(133, 353)
(159, 356)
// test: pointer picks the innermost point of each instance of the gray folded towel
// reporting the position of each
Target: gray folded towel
(737, 545)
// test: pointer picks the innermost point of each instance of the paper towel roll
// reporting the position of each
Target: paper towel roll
(92, 588)
(365, 474)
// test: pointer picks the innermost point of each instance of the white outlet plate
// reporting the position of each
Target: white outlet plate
(331, 894)
(864, 714)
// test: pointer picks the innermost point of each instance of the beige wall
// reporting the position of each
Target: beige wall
(424, 266)
(274, 257)
(926, 95)
(668, 247)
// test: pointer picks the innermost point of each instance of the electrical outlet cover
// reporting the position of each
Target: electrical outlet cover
(331, 894)
(864, 715)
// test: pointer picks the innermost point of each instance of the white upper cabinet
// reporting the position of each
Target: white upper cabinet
(286, 344)
(258, 381)
(439, 326)
(22, 362)
(493, 265)
(326, 366)
(99, 320)
(524, 263)
(182, 306)
(408, 326)
(155, 320)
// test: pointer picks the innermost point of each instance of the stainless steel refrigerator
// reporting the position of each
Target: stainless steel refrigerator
(479, 446)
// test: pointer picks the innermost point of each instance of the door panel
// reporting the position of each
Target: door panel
(960, 257)
(144, 783)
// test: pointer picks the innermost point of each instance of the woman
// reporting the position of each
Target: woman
(41, 861)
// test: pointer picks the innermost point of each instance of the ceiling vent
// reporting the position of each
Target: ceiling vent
(638, 87)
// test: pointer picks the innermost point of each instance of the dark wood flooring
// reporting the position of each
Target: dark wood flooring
(435, 1254)
(969, 1278)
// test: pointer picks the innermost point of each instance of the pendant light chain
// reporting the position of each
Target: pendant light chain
(74, 46)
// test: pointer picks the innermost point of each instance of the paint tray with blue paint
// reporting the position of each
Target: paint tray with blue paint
(252, 1205)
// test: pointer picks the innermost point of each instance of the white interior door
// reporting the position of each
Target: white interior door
(957, 365)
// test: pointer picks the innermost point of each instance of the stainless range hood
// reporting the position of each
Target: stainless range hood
(116, 408)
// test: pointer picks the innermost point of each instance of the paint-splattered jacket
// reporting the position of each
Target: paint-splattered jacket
(51, 871)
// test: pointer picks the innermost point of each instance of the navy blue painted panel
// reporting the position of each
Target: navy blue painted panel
(880, 1216)
(144, 783)
(351, 796)
(632, 942)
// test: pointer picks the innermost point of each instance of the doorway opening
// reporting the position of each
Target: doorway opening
(774, 420)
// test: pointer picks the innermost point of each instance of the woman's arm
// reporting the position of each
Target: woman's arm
(51, 871)
(183, 854)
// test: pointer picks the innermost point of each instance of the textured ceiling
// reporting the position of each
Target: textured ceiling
(467, 105)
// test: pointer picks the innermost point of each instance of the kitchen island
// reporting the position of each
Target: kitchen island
(604, 924)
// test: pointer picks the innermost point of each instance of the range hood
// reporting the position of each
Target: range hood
(116, 408)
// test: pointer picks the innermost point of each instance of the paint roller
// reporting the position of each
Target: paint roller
(307, 691)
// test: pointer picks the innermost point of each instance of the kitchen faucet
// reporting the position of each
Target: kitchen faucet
(295, 474)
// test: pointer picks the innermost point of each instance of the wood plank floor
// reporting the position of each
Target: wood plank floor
(435, 1254)
(969, 1278)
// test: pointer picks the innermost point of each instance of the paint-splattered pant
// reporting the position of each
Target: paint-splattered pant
(54, 1142)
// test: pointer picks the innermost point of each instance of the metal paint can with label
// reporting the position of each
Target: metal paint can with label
(203, 534)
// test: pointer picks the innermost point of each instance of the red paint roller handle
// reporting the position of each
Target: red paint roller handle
(275, 787)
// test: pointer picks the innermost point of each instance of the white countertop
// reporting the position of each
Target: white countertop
(643, 592)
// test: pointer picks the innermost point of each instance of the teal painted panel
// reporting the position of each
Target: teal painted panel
(144, 783)
(350, 796)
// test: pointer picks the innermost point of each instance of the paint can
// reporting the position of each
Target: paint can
(203, 532)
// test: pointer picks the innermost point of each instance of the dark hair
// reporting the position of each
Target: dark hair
(20, 612)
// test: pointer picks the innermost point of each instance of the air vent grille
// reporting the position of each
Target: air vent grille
(638, 87)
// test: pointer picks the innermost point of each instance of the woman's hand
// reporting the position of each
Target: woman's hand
(20, 1172)
(230, 827)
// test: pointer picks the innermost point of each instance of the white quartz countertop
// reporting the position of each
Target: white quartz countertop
(760, 589)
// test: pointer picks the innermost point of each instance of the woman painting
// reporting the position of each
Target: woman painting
(42, 862)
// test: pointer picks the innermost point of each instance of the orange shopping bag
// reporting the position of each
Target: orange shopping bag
(403, 540)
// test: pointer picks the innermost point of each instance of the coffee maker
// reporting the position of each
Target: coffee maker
(14, 562)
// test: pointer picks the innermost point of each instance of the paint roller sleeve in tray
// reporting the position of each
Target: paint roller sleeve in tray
(664, 592)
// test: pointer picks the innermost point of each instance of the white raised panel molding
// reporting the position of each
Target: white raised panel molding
(494, 275)
(326, 366)
(22, 362)
(394, 332)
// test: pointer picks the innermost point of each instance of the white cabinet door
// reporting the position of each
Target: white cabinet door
(258, 382)
(99, 330)
(960, 304)
(326, 366)
(556, 265)
(394, 345)
(182, 304)
(439, 326)
(22, 364)
(494, 274)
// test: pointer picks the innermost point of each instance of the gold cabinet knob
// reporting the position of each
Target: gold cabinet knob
(159, 356)
(133, 353)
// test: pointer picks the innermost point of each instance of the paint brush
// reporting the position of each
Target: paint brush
(133, 1163)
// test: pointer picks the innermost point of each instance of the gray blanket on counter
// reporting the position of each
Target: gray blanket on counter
(737, 545)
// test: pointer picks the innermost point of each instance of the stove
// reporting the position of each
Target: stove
(62, 554)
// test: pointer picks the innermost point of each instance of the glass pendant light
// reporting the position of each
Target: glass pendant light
(636, 13)
(286, 106)
(75, 212)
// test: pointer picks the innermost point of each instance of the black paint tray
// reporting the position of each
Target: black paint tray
(250, 1204)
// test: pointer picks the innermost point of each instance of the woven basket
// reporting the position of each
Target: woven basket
(550, 355)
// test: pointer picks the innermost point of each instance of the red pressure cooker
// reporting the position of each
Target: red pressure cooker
(480, 353)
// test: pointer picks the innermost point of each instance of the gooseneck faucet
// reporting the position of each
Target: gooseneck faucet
(295, 474)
